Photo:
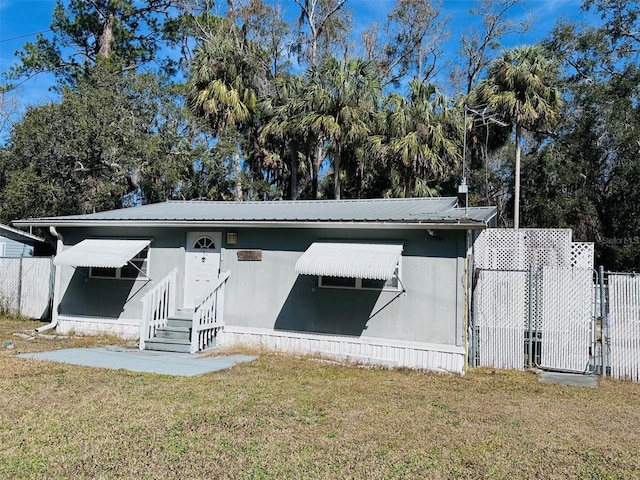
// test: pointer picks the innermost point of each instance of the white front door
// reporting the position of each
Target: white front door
(202, 265)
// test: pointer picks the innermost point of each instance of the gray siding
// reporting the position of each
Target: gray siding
(111, 298)
(269, 294)
(13, 248)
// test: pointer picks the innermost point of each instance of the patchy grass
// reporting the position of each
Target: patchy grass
(14, 329)
(283, 417)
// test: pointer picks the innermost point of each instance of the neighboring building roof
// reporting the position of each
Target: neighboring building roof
(19, 236)
(433, 212)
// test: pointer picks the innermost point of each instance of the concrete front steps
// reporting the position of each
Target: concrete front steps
(175, 337)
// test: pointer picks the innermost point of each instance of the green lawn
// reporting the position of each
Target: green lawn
(283, 417)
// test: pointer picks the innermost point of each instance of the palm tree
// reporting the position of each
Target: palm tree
(285, 136)
(343, 98)
(223, 85)
(519, 88)
(422, 139)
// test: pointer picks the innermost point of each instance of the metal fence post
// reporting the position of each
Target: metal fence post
(20, 287)
(471, 315)
(530, 315)
(594, 322)
(604, 333)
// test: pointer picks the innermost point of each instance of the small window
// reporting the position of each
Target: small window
(343, 282)
(128, 272)
(373, 284)
(392, 284)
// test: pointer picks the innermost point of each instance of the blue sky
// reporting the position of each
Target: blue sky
(21, 18)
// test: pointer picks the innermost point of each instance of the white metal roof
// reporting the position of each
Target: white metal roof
(106, 253)
(360, 260)
(437, 211)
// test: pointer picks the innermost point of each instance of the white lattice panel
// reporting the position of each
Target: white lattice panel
(500, 316)
(624, 326)
(582, 255)
(498, 249)
(566, 312)
(508, 249)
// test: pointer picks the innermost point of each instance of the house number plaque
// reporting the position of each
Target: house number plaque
(249, 255)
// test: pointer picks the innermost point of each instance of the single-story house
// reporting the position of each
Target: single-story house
(379, 281)
(15, 243)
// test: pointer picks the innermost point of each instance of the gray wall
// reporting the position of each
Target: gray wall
(13, 248)
(114, 298)
(269, 294)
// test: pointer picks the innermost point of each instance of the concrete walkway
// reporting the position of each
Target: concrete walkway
(572, 379)
(164, 363)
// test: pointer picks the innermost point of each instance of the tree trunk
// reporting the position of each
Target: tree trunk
(516, 193)
(315, 167)
(236, 166)
(105, 41)
(294, 175)
(336, 173)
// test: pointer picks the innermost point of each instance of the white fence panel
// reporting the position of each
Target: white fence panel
(9, 284)
(624, 326)
(35, 293)
(560, 307)
(566, 307)
(501, 315)
(25, 285)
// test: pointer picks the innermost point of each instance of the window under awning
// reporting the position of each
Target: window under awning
(106, 253)
(374, 261)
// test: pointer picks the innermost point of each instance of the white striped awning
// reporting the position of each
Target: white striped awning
(374, 261)
(105, 253)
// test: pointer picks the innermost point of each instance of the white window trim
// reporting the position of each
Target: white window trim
(143, 274)
(358, 283)
(3, 248)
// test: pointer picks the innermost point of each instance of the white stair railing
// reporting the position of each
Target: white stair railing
(208, 316)
(158, 305)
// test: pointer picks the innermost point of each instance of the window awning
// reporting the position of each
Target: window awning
(105, 253)
(359, 260)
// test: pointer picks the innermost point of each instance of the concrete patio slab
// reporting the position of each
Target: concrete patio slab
(572, 379)
(164, 363)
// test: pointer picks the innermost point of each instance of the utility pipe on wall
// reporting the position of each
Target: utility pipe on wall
(54, 306)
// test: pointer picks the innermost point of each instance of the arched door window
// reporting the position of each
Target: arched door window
(204, 243)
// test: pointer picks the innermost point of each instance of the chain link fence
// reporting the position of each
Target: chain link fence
(535, 317)
(557, 318)
(621, 325)
(26, 286)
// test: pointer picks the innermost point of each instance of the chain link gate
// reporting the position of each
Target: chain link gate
(567, 318)
(500, 307)
(533, 300)
(536, 317)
